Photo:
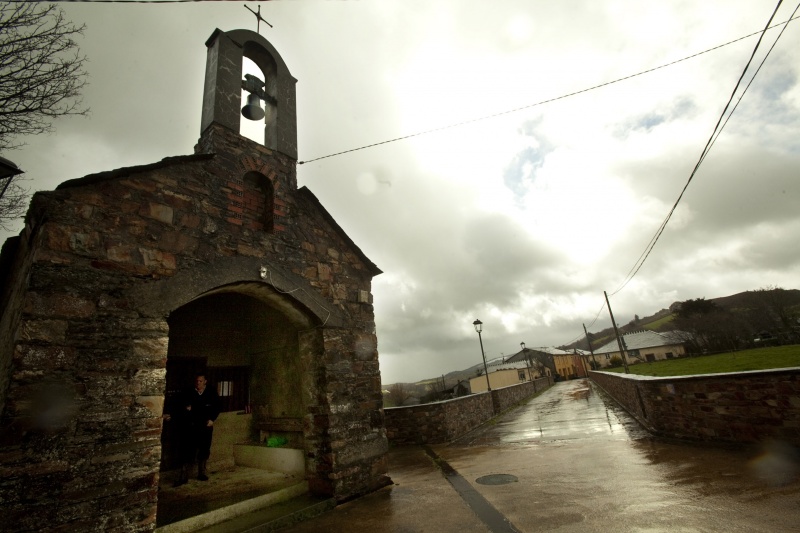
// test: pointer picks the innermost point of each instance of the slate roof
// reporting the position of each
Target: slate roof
(520, 356)
(519, 365)
(99, 177)
(639, 340)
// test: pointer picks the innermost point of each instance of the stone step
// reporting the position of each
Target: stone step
(274, 517)
(212, 517)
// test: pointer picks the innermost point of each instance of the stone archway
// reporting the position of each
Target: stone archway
(251, 352)
(256, 347)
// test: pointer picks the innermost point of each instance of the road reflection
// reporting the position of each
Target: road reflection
(568, 411)
(583, 463)
(577, 410)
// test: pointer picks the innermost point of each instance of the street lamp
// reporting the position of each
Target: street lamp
(478, 327)
(7, 172)
(527, 361)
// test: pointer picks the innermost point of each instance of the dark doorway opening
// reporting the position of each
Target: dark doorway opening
(246, 340)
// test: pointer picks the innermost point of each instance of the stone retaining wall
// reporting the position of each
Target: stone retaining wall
(735, 407)
(506, 397)
(435, 423)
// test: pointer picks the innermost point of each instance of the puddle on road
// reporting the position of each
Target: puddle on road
(581, 394)
(567, 412)
(497, 479)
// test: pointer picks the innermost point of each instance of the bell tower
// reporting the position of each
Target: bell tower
(225, 80)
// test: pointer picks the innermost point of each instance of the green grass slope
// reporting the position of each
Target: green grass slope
(757, 359)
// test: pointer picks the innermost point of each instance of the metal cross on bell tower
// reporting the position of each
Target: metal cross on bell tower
(259, 19)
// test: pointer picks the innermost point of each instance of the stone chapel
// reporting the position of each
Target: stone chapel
(125, 283)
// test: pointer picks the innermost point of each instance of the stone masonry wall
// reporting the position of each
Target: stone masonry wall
(352, 415)
(735, 407)
(511, 396)
(80, 445)
(16, 265)
(436, 423)
(111, 256)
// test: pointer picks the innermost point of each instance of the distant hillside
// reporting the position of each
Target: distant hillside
(743, 302)
(420, 388)
(755, 299)
(656, 322)
(660, 321)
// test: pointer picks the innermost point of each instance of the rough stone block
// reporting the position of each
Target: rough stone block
(49, 331)
(162, 213)
(158, 259)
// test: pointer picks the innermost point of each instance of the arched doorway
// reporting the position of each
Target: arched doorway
(256, 348)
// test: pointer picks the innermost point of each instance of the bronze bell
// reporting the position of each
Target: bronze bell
(253, 109)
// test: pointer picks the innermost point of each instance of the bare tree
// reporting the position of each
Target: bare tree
(435, 391)
(41, 69)
(535, 363)
(13, 202)
(399, 394)
(41, 78)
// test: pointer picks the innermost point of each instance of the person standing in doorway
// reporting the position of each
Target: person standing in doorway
(200, 407)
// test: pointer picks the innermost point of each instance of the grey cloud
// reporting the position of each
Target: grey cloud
(446, 260)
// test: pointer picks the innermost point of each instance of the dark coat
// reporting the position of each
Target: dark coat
(204, 407)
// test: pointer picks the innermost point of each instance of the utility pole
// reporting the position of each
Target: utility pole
(589, 342)
(583, 361)
(616, 332)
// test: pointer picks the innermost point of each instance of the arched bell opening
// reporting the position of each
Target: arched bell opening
(230, 54)
(258, 114)
(262, 65)
(256, 349)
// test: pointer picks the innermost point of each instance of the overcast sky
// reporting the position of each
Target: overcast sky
(521, 220)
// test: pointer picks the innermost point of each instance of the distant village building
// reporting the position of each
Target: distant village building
(566, 364)
(643, 346)
(502, 375)
(529, 364)
(125, 283)
(571, 365)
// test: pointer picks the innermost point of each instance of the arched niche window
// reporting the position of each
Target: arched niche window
(257, 202)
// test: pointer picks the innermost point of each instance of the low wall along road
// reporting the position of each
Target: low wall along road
(733, 407)
(435, 423)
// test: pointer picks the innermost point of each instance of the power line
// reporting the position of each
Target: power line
(720, 125)
(597, 315)
(714, 136)
(754, 76)
(579, 337)
(136, 1)
(550, 100)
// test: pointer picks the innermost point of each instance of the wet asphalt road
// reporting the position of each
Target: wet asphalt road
(573, 461)
(587, 466)
(569, 411)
